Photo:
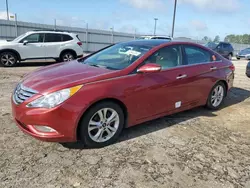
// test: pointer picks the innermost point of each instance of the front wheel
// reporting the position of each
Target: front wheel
(101, 125)
(216, 96)
(8, 59)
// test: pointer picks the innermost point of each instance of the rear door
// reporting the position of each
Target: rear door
(53, 42)
(202, 68)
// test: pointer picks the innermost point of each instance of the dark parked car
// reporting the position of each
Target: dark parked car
(244, 54)
(92, 99)
(248, 70)
(223, 48)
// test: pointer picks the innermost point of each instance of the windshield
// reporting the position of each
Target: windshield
(212, 45)
(247, 50)
(19, 37)
(117, 57)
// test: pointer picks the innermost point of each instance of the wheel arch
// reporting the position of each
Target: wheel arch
(225, 84)
(114, 100)
(13, 51)
(68, 50)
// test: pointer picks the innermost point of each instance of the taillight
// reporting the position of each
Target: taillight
(232, 67)
(79, 43)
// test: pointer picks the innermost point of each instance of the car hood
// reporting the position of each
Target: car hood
(64, 75)
(244, 53)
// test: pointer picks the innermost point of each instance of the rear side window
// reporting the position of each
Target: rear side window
(52, 37)
(227, 46)
(78, 37)
(66, 38)
(196, 55)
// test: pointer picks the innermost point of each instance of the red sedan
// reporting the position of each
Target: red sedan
(92, 99)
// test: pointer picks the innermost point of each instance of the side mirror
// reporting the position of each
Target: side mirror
(25, 42)
(150, 67)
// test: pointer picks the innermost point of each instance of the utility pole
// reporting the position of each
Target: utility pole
(87, 32)
(175, 3)
(55, 24)
(7, 10)
(16, 25)
(112, 34)
(155, 25)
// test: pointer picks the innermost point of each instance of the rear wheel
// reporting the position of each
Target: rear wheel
(101, 125)
(67, 56)
(238, 58)
(8, 59)
(216, 96)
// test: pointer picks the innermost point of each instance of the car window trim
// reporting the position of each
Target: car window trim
(143, 63)
(211, 53)
(21, 41)
(54, 34)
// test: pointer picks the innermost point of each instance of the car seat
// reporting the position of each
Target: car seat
(167, 58)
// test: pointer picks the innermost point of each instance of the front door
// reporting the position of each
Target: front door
(160, 92)
(34, 48)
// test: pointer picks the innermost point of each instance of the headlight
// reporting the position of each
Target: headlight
(53, 99)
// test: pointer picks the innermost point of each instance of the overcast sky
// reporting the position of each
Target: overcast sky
(195, 18)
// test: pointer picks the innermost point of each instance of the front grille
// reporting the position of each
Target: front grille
(22, 93)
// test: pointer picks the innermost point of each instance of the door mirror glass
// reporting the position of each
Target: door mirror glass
(25, 42)
(150, 67)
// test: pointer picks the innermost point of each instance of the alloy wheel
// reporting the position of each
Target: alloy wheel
(103, 125)
(217, 96)
(68, 57)
(8, 60)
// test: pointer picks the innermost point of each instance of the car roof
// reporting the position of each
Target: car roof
(51, 31)
(150, 42)
(158, 42)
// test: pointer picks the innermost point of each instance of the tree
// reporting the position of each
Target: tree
(207, 39)
(241, 39)
(217, 38)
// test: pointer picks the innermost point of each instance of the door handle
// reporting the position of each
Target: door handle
(213, 68)
(181, 76)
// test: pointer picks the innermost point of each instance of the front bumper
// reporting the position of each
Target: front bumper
(64, 119)
(248, 72)
(243, 56)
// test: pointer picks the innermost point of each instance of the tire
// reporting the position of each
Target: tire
(67, 56)
(96, 136)
(8, 59)
(211, 103)
(238, 58)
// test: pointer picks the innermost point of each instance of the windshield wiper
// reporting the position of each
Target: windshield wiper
(102, 66)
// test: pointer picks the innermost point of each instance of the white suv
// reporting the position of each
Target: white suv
(61, 46)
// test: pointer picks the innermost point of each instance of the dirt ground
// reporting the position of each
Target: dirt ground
(197, 148)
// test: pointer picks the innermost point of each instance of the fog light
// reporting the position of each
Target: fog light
(44, 129)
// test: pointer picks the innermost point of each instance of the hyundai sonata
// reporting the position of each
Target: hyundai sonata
(94, 98)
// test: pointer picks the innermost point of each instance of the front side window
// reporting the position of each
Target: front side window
(196, 55)
(34, 38)
(117, 57)
(51, 37)
(167, 57)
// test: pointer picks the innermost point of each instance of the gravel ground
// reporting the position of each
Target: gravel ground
(197, 148)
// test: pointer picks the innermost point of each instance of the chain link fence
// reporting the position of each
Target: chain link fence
(92, 39)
